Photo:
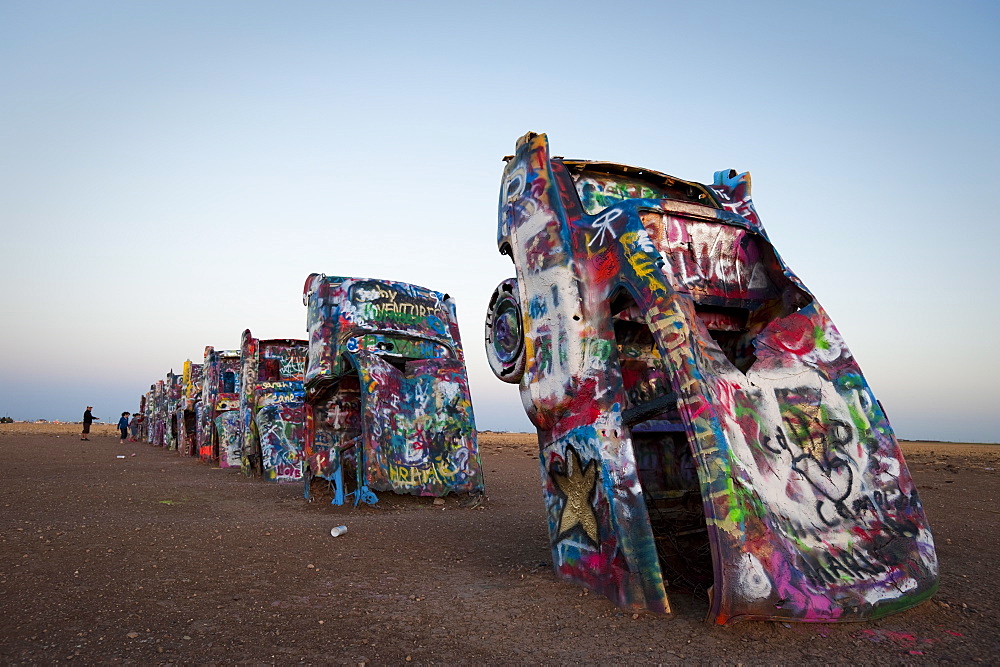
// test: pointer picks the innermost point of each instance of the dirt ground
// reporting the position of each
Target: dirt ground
(155, 558)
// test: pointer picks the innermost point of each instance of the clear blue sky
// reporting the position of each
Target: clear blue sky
(170, 172)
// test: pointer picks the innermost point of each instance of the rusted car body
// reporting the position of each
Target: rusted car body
(272, 407)
(701, 422)
(387, 393)
(219, 437)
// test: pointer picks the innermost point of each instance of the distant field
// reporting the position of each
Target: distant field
(495, 438)
(55, 428)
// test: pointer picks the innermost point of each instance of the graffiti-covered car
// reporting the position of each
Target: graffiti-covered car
(700, 419)
(146, 403)
(272, 407)
(174, 431)
(219, 436)
(157, 407)
(185, 410)
(387, 394)
(141, 418)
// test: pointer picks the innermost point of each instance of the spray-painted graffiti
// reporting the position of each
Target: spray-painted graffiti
(146, 403)
(387, 396)
(219, 435)
(281, 427)
(174, 410)
(186, 410)
(701, 422)
(272, 407)
(333, 432)
(157, 414)
(227, 429)
(138, 424)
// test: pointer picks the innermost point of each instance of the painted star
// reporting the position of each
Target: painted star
(577, 487)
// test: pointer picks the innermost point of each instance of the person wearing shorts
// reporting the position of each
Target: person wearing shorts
(88, 419)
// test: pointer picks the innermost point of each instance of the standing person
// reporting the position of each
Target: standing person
(88, 419)
(123, 426)
(133, 426)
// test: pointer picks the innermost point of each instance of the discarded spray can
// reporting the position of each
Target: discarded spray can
(337, 531)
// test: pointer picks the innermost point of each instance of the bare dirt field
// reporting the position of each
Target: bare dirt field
(155, 558)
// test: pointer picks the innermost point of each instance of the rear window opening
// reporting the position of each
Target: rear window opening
(665, 465)
(270, 371)
(228, 381)
(190, 423)
(729, 328)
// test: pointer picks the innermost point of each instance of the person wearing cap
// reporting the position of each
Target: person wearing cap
(88, 419)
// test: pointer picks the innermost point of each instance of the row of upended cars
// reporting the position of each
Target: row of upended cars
(702, 425)
(376, 400)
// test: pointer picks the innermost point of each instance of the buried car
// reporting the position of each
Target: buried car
(272, 408)
(219, 415)
(185, 414)
(174, 429)
(387, 395)
(156, 405)
(702, 425)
